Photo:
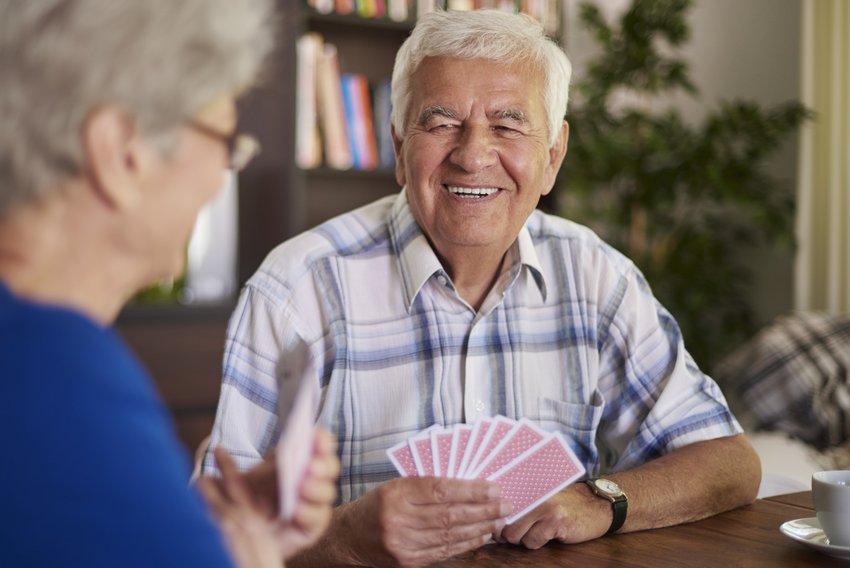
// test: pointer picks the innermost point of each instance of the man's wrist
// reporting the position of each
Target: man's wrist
(347, 535)
(597, 512)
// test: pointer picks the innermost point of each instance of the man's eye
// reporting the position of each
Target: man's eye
(446, 128)
(507, 130)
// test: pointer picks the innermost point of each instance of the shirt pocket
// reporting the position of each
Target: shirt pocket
(577, 422)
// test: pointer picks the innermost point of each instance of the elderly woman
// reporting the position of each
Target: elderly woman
(117, 121)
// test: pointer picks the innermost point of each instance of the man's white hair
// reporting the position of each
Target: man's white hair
(483, 34)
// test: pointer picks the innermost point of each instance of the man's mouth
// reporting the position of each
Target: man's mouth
(471, 192)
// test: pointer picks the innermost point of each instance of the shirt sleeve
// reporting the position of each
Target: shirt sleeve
(246, 422)
(656, 398)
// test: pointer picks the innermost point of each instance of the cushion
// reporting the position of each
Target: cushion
(793, 377)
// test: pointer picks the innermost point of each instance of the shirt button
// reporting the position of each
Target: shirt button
(442, 280)
(479, 406)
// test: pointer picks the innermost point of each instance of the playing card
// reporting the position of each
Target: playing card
(460, 438)
(441, 447)
(402, 458)
(537, 474)
(497, 431)
(423, 456)
(517, 441)
(479, 431)
(298, 402)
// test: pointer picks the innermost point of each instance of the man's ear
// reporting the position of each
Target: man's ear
(400, 176)
(556, 156)
(112, 163)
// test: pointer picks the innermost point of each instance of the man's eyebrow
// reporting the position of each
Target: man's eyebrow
(432, 111)
(510, 114)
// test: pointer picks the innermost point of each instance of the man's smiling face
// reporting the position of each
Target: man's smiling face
(475, 156)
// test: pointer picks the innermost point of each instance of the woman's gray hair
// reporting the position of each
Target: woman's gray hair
(483, 34)
(162, 60)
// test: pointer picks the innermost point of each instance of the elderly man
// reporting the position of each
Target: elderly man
(456, 300)
(117, 121)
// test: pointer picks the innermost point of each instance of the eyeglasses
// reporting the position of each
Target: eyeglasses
(241, 148)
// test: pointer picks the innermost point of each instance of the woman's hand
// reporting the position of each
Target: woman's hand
(316, 497)
(250, 532)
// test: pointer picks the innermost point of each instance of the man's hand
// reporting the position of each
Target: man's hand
(688, 484)
(419, 521)
(411, 522)
(572, 515)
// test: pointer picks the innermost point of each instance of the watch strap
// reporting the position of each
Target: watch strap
(620, 506)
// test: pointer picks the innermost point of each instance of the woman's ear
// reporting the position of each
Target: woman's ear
(111, 156)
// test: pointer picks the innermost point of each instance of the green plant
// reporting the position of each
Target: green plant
(679, 199)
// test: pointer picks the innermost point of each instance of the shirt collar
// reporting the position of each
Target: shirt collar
(528, 257)
(417, 259)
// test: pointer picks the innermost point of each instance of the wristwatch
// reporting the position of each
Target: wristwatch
(607, 489)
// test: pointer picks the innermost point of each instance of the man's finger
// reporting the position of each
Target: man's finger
(428, 490)
(454, 515)
(460, 533)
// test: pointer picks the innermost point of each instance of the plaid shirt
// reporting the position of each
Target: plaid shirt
(569, 337)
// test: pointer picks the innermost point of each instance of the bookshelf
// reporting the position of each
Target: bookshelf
(365, 46)
(182, 346)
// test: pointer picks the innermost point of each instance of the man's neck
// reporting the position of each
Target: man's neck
(474, 271)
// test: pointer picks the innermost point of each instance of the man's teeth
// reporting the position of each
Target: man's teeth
(472, 192)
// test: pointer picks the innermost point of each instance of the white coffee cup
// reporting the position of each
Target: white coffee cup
(831, 495)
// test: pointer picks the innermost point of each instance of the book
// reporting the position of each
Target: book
(460, 5)
(367, 8)
(367, 123)
(331, 110)
(322, 6)
(344, 6)
(383, 133)
(398, 10)
(503, 5)
(425, 6)
(308, 144)
(351, 119)
(358, 111)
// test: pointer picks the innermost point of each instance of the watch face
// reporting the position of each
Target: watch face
(608, 486)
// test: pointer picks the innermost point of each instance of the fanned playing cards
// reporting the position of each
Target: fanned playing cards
(529, 464)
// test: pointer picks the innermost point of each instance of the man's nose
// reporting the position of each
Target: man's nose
(475, 149)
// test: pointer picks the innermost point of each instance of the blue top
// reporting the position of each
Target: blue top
(92, 474)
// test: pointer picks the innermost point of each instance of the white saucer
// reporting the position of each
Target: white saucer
(809, 532)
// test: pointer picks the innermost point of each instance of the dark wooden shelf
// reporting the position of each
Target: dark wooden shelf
(168, 311)
(380, 173)
(182, 348)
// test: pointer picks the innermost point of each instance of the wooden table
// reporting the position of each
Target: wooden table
(745, 537)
